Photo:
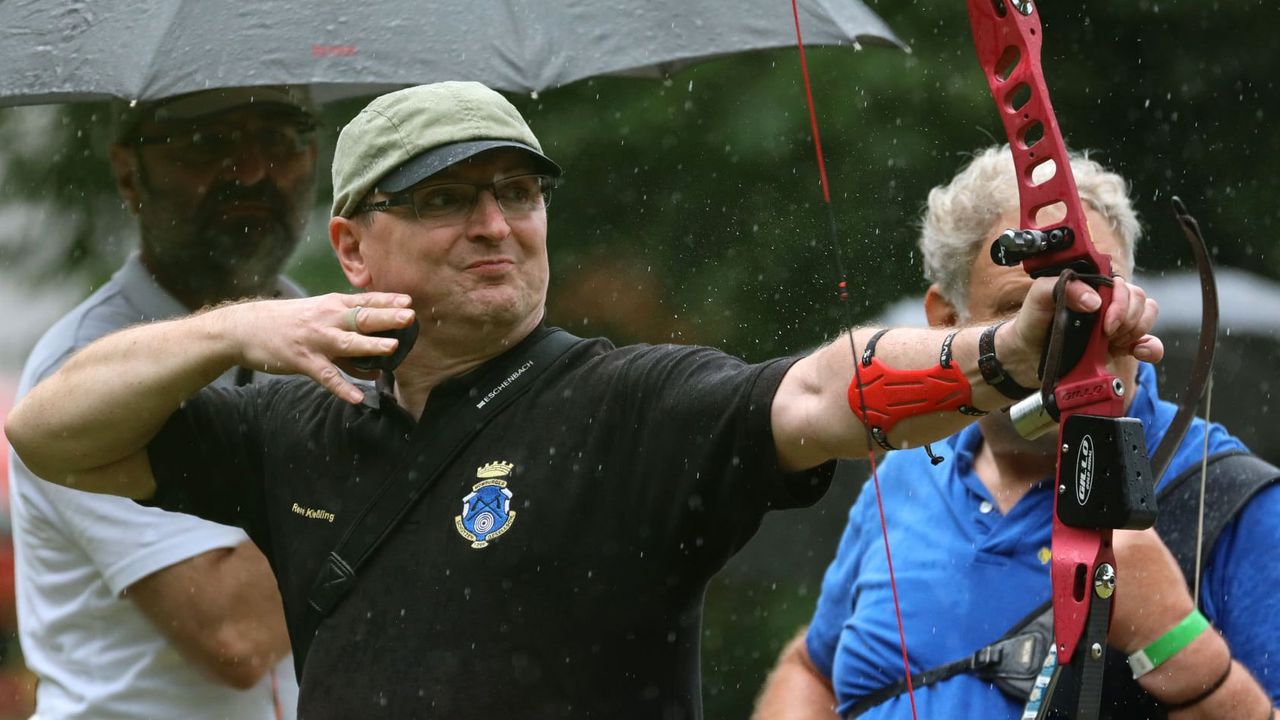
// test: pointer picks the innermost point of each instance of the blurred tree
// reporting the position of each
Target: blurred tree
(59, 199)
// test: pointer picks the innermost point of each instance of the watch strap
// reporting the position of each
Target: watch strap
(991, 369)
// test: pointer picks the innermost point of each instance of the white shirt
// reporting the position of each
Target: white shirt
(96, 655)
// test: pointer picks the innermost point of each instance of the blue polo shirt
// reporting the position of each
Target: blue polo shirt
(967, 573)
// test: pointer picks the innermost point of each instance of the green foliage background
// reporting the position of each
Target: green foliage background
(691, 208)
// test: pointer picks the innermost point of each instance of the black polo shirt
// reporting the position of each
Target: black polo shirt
(555, 569)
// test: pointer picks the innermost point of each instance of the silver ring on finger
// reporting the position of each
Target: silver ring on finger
(353, 318)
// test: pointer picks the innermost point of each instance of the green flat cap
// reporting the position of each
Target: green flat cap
(404, 137)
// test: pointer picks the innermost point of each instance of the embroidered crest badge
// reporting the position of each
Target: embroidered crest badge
(486, 511)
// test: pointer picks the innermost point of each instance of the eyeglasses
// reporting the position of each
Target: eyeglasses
(201, 146)
(516, 196)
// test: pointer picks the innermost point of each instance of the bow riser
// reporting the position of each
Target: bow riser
(1008, 48)
(1007, 37)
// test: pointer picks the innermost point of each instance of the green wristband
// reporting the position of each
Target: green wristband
(1168, 645)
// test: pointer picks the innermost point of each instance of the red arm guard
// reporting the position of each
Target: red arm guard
(881, 396)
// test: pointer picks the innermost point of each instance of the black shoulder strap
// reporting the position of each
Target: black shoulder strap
(1012, 662)
(498, 386)
(1232, 479)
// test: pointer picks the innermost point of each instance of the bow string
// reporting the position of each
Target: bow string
(842, 293)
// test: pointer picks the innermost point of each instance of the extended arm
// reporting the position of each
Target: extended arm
(796, 690)
(221, 609)
(87, 425)
(812, 421)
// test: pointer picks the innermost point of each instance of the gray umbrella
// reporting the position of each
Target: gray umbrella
(72, 50)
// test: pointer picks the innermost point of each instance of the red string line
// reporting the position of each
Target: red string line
(813, 116)
(843, 294)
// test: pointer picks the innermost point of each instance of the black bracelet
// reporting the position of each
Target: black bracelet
(1204, 695)
(944, 359)
(991, 369)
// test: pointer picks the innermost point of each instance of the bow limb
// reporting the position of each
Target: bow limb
(1199, 383)
(1207, 343)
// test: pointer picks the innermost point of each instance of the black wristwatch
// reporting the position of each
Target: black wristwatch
(991, 369)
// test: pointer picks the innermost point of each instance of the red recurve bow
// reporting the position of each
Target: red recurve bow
(1104, 478)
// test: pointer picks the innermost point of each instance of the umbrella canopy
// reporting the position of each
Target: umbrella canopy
(75, 50)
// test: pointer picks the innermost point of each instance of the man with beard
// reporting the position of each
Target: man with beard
(131, 611)
(971, 535)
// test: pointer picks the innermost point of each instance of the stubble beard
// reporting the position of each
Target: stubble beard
(208, 256)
